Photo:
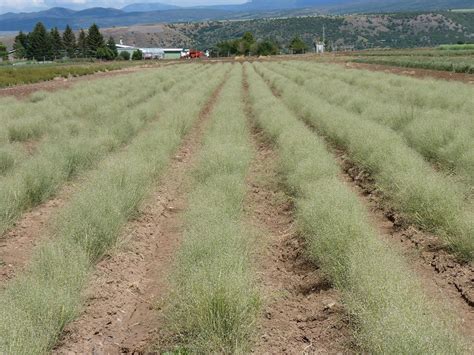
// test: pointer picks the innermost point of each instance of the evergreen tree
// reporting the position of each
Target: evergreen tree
(56, 43)
(39, 43)
(112, 46)
(82, 44)
(3, 52)
(298, 46)
(69, 42)
(95, 40)
(137, 55)
(20, 45)
(246, 43)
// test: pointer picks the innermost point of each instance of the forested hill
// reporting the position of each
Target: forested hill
(361, 31)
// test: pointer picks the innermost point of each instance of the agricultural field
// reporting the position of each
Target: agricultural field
(33, 73)
(237, 207)
(452, 58)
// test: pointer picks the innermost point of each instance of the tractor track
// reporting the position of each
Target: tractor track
(447, 281)
(123, 312)
(302, 312)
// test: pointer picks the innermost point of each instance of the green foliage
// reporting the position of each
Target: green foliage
(137, 55)
(297, 46)
(82, 44)
(112, 46)
(69, 42)
(105, 53)
(34, 73)
(94, 40)
(19, 45)
(457, 47)
(457, 64)
(56, 43)
(124, 55)
(3, 52)
(39, 44)
(245, 46)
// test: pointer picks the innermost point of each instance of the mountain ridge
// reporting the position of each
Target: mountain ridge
(133, 14)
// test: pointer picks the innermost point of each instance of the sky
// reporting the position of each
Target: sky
(34, 5)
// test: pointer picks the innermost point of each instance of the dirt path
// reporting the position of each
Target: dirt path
(302, 313)
(119, 316)
(25, 90)
(413, 72)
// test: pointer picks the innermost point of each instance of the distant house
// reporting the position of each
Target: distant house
(172, 53)
(152, 53)
(319, 47)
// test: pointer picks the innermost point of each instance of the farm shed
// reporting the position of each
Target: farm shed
(172, 53)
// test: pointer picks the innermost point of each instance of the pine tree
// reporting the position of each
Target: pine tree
(56, 43)
(69, 42)
(3, 52)
(82, 44)
(95, 40)
(39, 43)
(112, 46)
(298, 46)
(20, 45)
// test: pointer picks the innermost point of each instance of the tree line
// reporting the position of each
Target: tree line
(248, 45)
(41, 44)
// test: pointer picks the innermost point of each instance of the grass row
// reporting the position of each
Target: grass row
(427, 198)
(390, 313)
(442, 136)
(215, 301)
(62, 157)
(52, 114)
(457, 47)
(28, 74)
(451, 63)
(36, 306)
(444, 95)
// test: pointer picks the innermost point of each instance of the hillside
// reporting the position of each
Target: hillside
(362, 31)
(400, 30)
(145, 13)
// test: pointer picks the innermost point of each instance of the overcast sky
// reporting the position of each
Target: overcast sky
(34, 5)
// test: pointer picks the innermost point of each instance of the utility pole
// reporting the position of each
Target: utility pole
(324, 33)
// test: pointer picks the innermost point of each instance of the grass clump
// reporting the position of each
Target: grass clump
(215, 301)
(36, 306)
(390, 313)
(426, 197)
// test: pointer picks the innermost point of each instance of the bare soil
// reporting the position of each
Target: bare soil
(128, 287)
(302, 312)
(23, 91)
(18, 243)
(413, 72)
(444, 278)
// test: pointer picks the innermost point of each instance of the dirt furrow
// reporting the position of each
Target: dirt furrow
(302, 313)
(18, 243)
(442, 276)
(128, 286)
